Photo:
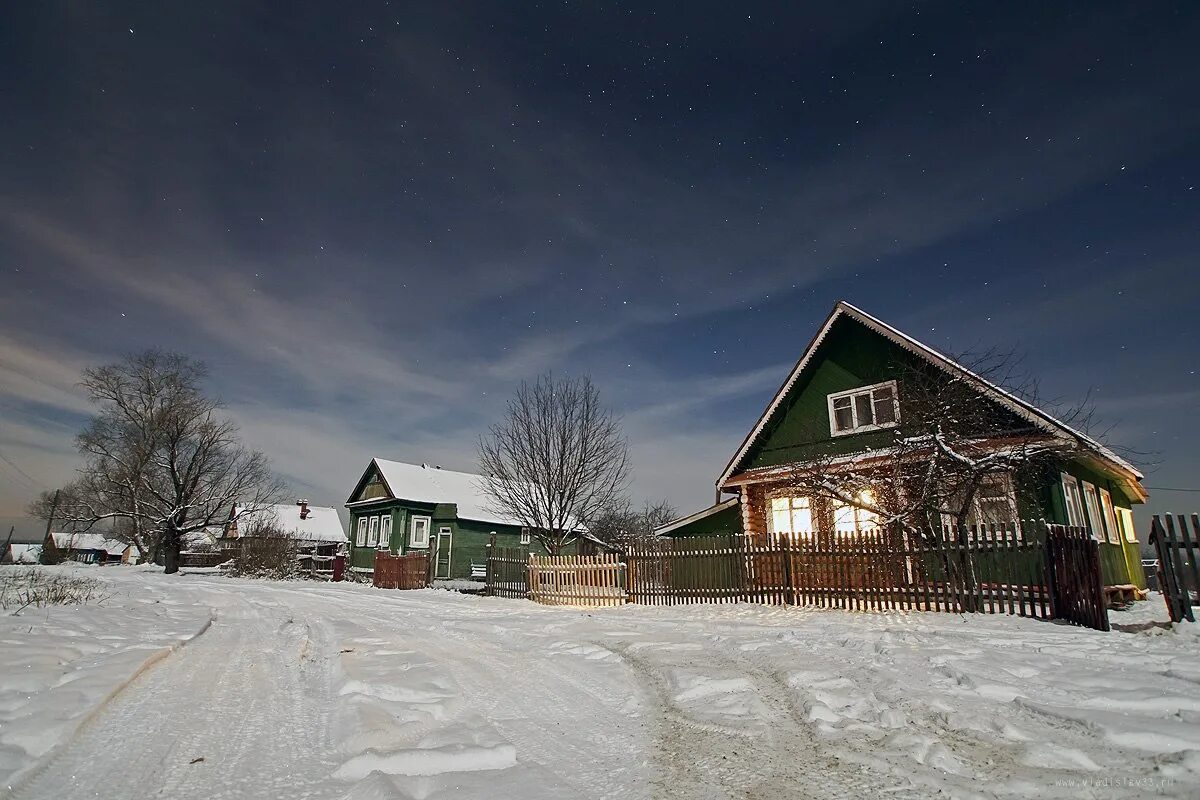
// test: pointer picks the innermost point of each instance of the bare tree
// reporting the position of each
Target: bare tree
(556, 459)
(159, 461)
(621, 525)
(265, 550)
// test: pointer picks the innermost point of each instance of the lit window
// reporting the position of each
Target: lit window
(849, 519)
(791, 515)
(867, 409)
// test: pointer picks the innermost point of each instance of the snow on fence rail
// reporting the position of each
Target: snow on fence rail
(1043, 571)
(1178, 553)
(591, 581)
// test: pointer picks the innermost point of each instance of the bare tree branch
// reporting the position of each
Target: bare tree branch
(556, 459)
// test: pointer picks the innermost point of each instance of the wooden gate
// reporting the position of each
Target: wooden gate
(401, 572)
(507, 572)
(1178, 569)
(1073, 575)
(589, 581)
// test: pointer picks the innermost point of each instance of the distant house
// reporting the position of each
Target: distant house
(316, 532)
(21, 553)
(404, 508)
(86, 548)
(844, 404)
(308, 525)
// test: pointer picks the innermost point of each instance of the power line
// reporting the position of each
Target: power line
(1168, 489)
(33, 483)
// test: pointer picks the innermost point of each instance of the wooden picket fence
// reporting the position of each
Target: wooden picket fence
(1075, 578)
(507, 573)
(590, 581)
(409, 571)
(1036, 570)
(1178, 550)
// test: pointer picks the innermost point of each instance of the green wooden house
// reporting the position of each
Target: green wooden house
(403, 508)
(844, 403)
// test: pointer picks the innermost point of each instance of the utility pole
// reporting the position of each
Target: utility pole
(53, 508)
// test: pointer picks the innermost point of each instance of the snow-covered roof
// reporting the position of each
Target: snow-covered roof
(1009, 400)
(676, 524)
(322, 524)
(428, 484)
(25, 553)
(88, 541)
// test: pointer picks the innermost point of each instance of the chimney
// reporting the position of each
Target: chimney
(303, 508)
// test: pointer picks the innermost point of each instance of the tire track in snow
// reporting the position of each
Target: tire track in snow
(241, 698)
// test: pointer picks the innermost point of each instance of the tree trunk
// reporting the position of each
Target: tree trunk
(170, 548)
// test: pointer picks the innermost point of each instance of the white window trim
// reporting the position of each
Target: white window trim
(373, 532)
(833, 431)
(1091, 510)
(1109, 514)
(525, 536)
(793, 505)
(385, 531)
(412, 533)
(1075, 512)
(360, 537)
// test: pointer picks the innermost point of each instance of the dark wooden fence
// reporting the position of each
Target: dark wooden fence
(409, 571)
(1178, 568)
(507, 572)
(1074, 577)
(1034, 570)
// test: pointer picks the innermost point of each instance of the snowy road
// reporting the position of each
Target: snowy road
(335, 691)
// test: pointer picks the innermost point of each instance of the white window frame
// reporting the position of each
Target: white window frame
(975, 516)
(525, 536)
(413, 541)
(793, 507)
(360, 538)
(373, 532)
(1073, 502)
(852, 393)
(385, 532)
(863, 519)
(1091, 507)
(1108, 511)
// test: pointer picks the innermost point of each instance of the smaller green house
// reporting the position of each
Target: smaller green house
(405, 508)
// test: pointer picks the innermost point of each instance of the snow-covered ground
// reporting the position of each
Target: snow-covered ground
(203, 687)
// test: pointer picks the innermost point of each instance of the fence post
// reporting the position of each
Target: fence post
(489, 567)
(1170, 575)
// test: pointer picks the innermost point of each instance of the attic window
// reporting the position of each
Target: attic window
(869, 408)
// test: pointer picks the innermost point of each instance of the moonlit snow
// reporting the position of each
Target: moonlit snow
(196, 686)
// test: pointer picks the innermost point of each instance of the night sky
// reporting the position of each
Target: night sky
(372, 219)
